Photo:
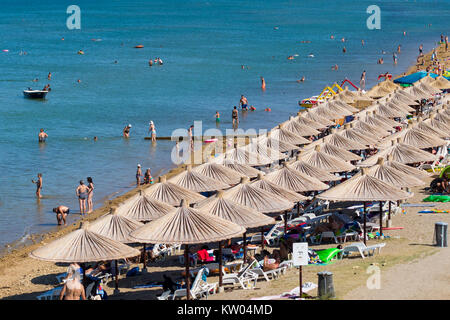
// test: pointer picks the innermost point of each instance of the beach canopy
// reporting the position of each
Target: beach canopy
(232, 211)
(393, 176)
(262, 150)
(83, 245)
(363, 187)
(414, 77)
(323, 111)
(336, 101)
(171, 193)
(197, 182)
(219, 173)
(385, 111)
(398, 97)
(308, 122)
(337, 152)
(346, 96)
(317, 118)
(244, 169)
(143, 208)
(356, 135)
(294, 180)
(417, 93)
(332, 107)
(382, 89)
(284, 135)
(428, 88)
(344, 142)
(273, 188)
(277, 144)
(261, 200)
(187, 226)
(242, 155)
(324, 161)
(115, 226)
(370, 129)
(438, 123)
(406, 169)
(414, 137)
(300, 130)
(427, 128)
(376, 120)
(440, 83)
(312, 171)
(400, 152)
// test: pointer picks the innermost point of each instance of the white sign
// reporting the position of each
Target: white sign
(300, 255)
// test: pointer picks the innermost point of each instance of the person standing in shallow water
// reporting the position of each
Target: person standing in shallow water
(42, 136)
(90, 205)
(38, 184)
(82, 193)
(235, 117)
(126, 131)
(263, 84)
(138, 175)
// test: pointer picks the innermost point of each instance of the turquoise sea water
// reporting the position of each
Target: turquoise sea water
(203, 45)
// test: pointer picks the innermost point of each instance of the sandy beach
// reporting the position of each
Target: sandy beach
(411, 267)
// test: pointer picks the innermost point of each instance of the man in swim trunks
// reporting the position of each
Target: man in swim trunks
(38, 183)
(362, 82)
(61, 214)
(82, 194)
(243, 102)
(217, 117)
(42, 136)
(235, 117)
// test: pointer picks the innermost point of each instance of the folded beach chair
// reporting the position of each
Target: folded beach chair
(362, 249)
(199, 289)
(244, 278)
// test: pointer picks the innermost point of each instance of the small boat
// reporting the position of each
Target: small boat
(35, 94)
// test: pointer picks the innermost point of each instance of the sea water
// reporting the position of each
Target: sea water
(203, 45)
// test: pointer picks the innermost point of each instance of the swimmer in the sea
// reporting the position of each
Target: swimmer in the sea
(344, 50)
(42, 136)
(49, 76)
(263, 83)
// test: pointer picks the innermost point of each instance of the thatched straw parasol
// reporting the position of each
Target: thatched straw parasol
(370, 129)
(277, 144)
(241, 168)
(337, 152)
(326, 162)
(256, 198)
(336, 108)
(117, 228)
(308, 122)
(197, 182)
(284, 135)
(242, 155)
(414, 137)
(219, 172)
(343, 142)
(171, 193)
(342, 103)
(143, 208)
(346, 96)
(324, 111)
(300, 130)
(262, 150)
(364, 187)
(312, 171)
(406, 169)
(401, 152)
(427, 128)
(397, 97)
(376, 120)
(385, 111)
(417, 93)
(382, 89)
(83, 245)
(438, 123)
(273, 188)
(187, 226)
(356, 135)
(404, 93)
(308, 114)
(294, 180)
(399, 105)
(440, 83)
(428, 88)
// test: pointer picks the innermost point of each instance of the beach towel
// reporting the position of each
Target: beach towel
(437, 198)
(293, 294)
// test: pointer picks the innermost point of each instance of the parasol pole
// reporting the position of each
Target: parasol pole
(145, 259)
(220, 265)
(365, 207)
(245, 245)
(389, 217)
(285, 223)
(381, 218)
(186, 263)
(262, 238)
(116, 267)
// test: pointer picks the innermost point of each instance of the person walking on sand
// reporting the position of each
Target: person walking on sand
(126, 131)
(61, 214)
(73, 289)
(138, 175)
(362, 82)
(82, 192)
(235, 117)
(38, 184)
(90, 205)
(153, 131)
(263, 84)
(42, 136)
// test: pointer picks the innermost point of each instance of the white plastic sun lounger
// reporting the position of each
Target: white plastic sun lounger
(362, 249)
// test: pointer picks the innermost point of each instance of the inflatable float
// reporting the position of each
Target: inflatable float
(139, 46)
(209, 140)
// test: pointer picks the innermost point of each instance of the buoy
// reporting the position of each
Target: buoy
(267, 109)
(139, 46)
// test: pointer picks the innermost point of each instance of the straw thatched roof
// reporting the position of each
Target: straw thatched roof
(414, 137)
(400, 152)
(83, 245)
(197, 182)
(241, 168)
(219, 172)
(417, 93)
(384, 123)
(277, 144)
(427, 128)
(171, 193)
(115, 226)
(317, 118)
(262, 150)
(325, 112)
(244, 156)
(326, 162)
(336, 109)
(404, 93)
(397, 97)
(440, 83)
(337, 152)
(370, 129)
(363, 187)
(356, 135)
(284, 135)
(300, 130)
(393, 176)
(312, 171)
(406, 169)
(343, 142)
(382, 89)
(385, 111)
(428, 88)
(257, 198)
(143, 208)
(232, 211)
(294, 180)
(187, 226)
(342, 103)
(435, 123)
(308, 122)
(346, 96)
(278, 190)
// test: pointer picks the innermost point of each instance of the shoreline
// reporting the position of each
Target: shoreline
(16, 255)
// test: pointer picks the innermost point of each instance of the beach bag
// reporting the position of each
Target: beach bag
(132, 272)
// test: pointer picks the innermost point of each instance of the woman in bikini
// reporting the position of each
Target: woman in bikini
(82, 194)
(90, 195)
(138, 175)
(153, 131)
(38, 184)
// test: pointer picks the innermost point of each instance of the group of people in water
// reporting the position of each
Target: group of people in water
(148, 179)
